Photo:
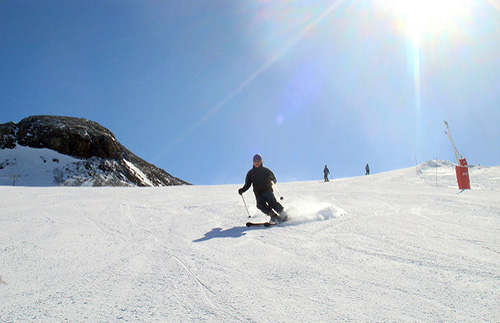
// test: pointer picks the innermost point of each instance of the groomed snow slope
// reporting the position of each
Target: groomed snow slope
(396, 246)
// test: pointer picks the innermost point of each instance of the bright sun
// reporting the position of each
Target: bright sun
(429, 16)
(422, 20)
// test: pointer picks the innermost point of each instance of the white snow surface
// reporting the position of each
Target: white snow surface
(397, 246)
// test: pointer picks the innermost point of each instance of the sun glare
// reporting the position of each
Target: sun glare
(422, 21)
(429, 16)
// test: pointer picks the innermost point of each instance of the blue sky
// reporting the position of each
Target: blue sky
(198, 87)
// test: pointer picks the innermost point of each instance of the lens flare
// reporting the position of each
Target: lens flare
(278, 54)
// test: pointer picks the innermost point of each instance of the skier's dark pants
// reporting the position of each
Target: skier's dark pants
(266, 202)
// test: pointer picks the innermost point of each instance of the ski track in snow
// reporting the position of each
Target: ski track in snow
(385, 247)
(211, 298)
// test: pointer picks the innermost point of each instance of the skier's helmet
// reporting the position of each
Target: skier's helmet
(257, 158)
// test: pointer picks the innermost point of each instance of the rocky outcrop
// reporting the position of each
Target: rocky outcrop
(89, 142)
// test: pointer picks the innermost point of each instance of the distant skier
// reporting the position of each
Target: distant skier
(326, 172)
(262, 179)
(367, 169)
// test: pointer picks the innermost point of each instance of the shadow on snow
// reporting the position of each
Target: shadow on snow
(235, 232)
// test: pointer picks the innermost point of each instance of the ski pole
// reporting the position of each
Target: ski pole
(246, 207)
(277, 190)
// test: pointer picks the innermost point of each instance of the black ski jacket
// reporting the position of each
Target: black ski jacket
(261, 178)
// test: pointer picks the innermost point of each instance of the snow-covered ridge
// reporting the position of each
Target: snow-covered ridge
(24, 166)
(96, 157)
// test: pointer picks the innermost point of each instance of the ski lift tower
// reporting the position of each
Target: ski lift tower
(461, 168)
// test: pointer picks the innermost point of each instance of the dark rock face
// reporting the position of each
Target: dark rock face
(8, 135)
(69, 136)
(85, 140)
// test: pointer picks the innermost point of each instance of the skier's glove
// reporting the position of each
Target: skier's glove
(240, 191)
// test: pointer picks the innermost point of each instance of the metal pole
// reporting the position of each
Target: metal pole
(246, 207)
(436, 172)
(277, 190)
(457, 155)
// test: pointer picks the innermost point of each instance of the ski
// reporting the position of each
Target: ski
(266, 224)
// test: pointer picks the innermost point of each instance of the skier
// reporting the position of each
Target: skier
(262, 179)
(367, 169)
(326, 172)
